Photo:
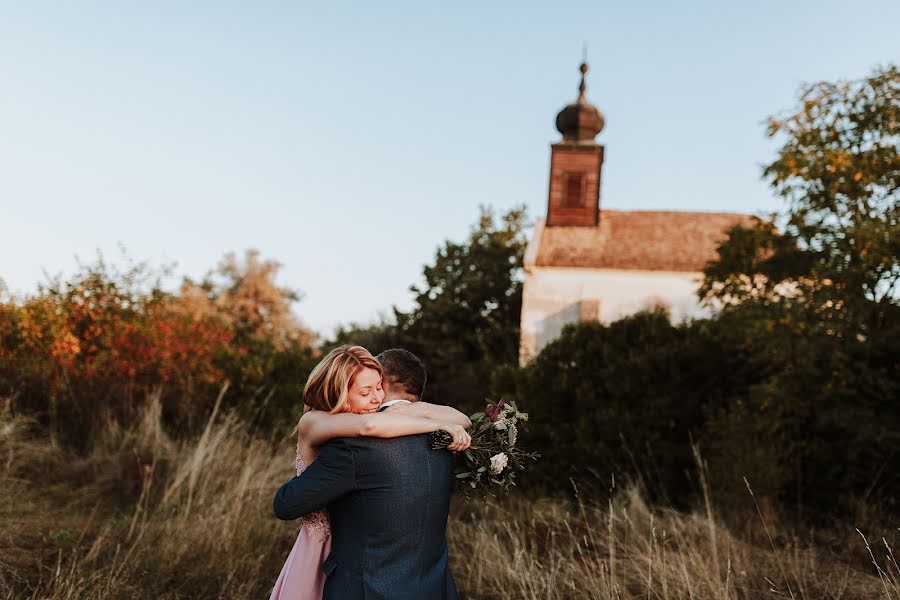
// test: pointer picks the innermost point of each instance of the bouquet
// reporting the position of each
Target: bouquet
(492, 460)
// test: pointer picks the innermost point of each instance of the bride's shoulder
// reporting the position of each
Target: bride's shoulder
(307, 418)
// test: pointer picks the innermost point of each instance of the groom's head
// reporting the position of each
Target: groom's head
(404, 375)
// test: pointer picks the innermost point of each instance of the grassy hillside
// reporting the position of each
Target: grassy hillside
(144, 516)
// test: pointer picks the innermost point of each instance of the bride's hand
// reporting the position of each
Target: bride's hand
(461, 437)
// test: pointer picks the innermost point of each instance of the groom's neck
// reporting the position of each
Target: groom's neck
(392, 395)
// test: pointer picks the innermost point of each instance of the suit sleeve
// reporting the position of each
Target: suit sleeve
(328, 478)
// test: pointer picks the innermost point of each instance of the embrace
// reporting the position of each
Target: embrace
(371, 494)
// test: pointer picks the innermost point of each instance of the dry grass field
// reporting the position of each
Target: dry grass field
(144, 516)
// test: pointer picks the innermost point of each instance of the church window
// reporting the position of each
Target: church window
(574, 190)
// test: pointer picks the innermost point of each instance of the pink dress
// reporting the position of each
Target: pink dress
(301, 576)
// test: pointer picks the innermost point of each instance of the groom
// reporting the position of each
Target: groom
(388, 500)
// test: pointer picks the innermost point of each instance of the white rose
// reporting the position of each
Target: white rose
(498, 463)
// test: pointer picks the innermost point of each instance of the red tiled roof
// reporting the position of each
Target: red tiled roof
(643, 240)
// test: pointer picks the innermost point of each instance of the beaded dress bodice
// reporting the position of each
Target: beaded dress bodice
(315, 522)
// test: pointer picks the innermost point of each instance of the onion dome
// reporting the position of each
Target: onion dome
(580, 121)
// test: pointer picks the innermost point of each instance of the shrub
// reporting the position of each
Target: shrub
(82, 352)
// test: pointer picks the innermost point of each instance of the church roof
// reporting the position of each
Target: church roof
(640, 240)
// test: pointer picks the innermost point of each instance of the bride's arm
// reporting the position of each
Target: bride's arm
(436, 412)
(317, 427)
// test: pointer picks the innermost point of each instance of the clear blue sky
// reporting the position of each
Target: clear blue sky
(348, 140)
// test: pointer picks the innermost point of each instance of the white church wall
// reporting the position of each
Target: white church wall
(548, 329)
(553, 297)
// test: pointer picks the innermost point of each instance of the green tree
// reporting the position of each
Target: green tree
(625, 400)
(836, 251)
(465, 319)
(813, 293)
(376, 337)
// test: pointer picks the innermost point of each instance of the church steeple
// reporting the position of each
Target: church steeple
(580, 121)
(575, 162)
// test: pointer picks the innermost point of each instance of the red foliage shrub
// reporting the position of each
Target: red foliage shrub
(82, 352)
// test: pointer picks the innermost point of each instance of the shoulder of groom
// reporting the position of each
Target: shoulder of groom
(339, 451)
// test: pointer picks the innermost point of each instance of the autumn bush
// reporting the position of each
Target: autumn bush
(84, 351)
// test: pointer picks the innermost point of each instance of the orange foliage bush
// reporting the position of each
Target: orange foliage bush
(81, 352)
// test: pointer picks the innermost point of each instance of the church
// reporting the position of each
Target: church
(587, 264)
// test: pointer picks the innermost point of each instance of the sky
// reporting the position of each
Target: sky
(349, 140)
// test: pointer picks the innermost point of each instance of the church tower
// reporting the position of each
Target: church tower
(575, 164)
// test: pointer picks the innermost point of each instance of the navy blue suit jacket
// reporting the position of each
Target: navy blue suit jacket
(388, 500)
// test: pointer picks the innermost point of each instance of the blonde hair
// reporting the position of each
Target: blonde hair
(329, 383)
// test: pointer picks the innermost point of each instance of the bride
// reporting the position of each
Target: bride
(343, 395)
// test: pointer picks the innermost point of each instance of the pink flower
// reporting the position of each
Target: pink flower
(493, 412)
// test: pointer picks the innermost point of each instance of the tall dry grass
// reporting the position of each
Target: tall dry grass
(146, 516)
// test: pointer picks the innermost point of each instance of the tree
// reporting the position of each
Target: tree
(465, 320)
(624, 400)
(82, 352)
(813, 293)
(246, 296)
(273, 350)
(837, 250)
(376, 337)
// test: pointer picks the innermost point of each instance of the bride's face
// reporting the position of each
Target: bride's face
(365, 394)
